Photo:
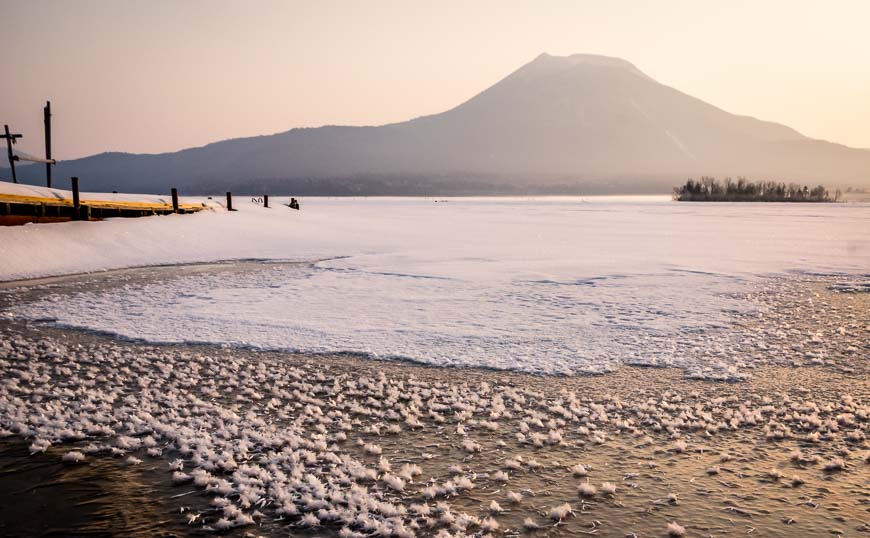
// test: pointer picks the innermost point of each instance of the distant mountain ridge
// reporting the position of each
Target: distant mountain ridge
(574, 124)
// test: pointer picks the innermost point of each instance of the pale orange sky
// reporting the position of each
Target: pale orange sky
(153, 76)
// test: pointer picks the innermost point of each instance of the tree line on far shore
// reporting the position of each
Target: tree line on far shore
(709, 189)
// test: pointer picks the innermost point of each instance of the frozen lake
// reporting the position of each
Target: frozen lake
(547, 285)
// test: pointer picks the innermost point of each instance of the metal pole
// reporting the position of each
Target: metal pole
(9, 140)
(174, 200)
(229, 201)
(46, 113)
(265, 200)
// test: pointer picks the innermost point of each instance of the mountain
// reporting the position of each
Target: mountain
(575, 124)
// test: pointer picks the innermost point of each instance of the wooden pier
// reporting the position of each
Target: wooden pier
(22, 204)
(21, 209)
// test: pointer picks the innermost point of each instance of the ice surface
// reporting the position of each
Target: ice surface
(552, 285)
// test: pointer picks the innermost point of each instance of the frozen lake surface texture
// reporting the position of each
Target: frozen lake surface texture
(547, 285)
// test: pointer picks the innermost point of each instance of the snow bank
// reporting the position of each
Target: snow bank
(559, 240)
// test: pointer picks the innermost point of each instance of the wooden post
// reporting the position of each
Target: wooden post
(76, 203)
(265, 200)
(229, 201)
(46, 113)
(9, 141)
(174, 200)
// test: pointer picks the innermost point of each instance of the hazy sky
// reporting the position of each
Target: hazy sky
(153, 76)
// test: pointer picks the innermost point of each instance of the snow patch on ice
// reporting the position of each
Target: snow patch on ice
(550, 285)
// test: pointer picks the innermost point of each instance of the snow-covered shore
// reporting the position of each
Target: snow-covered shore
(560, 239)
